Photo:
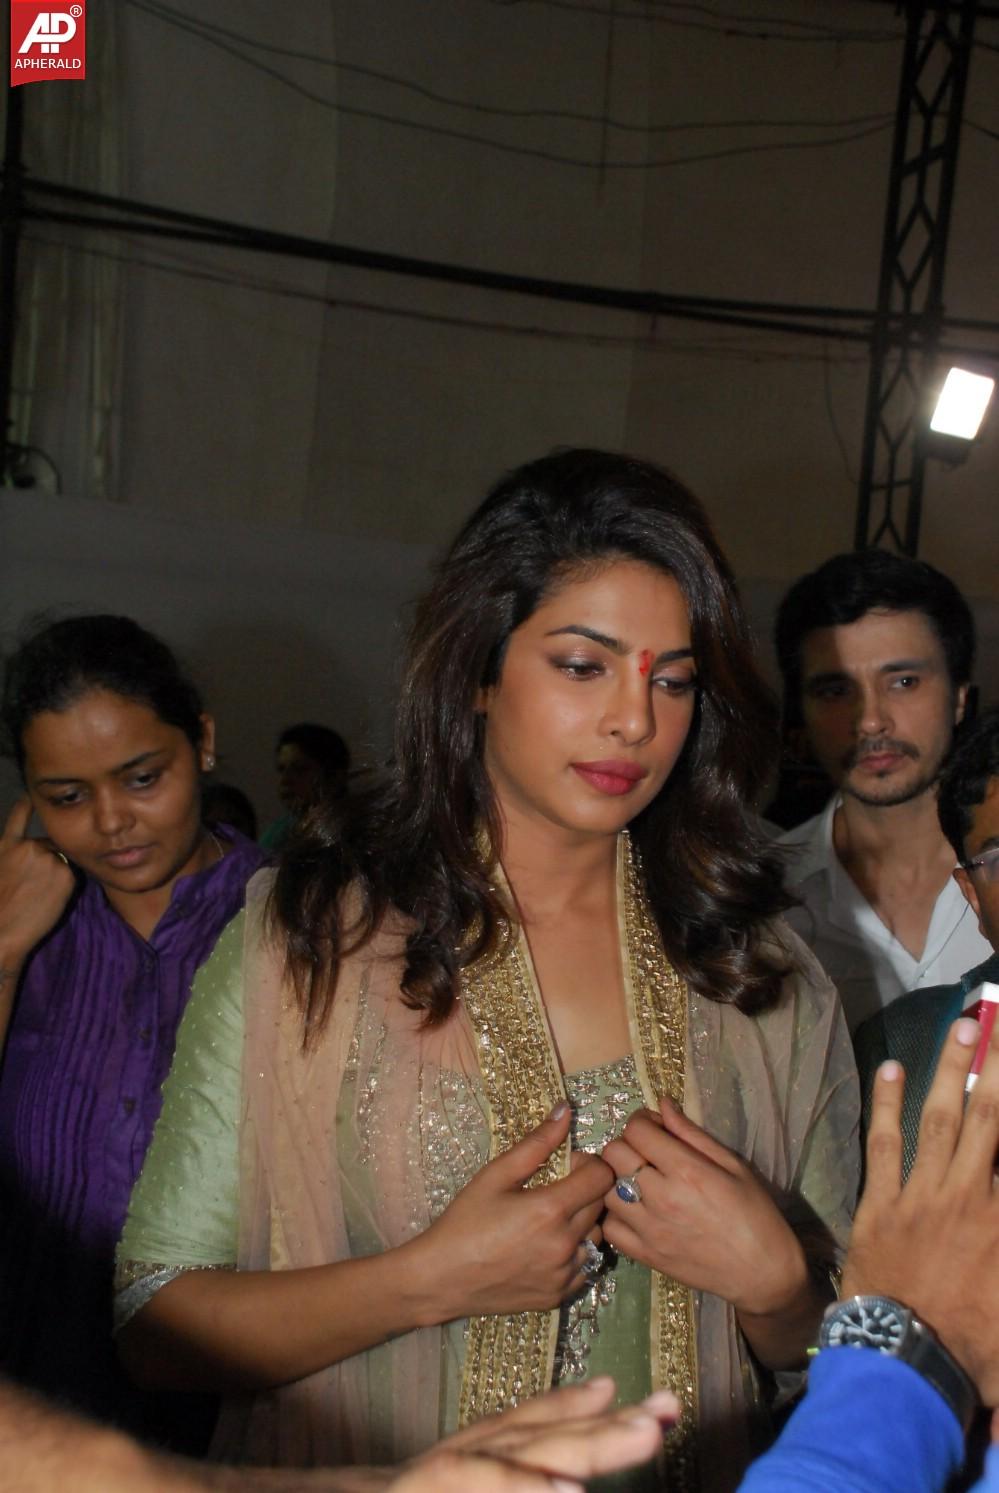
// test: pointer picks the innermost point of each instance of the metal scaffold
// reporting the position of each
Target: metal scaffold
(909, 316)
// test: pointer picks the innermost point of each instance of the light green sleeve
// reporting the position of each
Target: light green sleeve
(184, 1209)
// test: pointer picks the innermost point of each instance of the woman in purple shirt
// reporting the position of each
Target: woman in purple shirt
(102, 927)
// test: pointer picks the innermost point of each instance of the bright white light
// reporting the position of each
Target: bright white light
(963, 401)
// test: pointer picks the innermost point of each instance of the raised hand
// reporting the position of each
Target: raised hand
(933, 1244)
(35, 885)
(704, 1217)
(502, 1247)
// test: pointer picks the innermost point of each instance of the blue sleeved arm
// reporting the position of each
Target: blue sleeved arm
(990, 1482)
(868, 1424)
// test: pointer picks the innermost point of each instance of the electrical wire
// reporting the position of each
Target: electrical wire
(536, 153)
(155, 221)
(741, 27)
(746, 350)
(606, 121)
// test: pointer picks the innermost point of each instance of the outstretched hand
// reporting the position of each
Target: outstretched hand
(704, 1217)
(503, 1247)
(933, 1244)
(554, 1441)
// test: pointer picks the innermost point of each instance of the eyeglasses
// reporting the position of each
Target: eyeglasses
(987, 863)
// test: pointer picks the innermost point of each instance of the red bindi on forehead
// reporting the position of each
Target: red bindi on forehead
(644, 661)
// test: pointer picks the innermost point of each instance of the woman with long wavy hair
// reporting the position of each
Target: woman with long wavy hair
(376, 1199)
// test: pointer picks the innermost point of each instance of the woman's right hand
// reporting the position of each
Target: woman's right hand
(35, 885)
(503, 1247)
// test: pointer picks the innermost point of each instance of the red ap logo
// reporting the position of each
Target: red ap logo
(46, 44)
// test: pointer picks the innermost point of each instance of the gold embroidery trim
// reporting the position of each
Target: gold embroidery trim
(657, 1013)
(511, 1358)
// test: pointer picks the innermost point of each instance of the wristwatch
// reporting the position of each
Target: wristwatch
(888, 1327)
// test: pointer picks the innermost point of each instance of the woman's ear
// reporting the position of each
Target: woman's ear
(206, 747)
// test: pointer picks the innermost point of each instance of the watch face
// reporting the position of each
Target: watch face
(867, 1322)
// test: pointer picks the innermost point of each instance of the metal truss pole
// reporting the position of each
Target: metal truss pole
(909, 311)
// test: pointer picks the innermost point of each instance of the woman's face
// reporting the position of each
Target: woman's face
(117, 790)
(594, 701)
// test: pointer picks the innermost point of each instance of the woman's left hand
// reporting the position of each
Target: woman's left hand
(703, 1218)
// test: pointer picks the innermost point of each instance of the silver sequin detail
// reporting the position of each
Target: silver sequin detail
(598, 1116)
(454, 1137)
(137, 1283)
(602, 1100)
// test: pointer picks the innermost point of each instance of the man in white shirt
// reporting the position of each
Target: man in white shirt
(876, 652)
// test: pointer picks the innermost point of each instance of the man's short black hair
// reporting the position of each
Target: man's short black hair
(847, 587)
(966, 778)
(321, 743)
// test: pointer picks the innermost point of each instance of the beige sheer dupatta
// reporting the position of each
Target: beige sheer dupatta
(310, 1195)
(781, 1090)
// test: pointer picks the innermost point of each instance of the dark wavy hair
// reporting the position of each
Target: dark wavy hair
(965, 780)
(423, 839)
(58, 662)
(846, 587)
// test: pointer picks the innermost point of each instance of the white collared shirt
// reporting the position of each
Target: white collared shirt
(860, 954)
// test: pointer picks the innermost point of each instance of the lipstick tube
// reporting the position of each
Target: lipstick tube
(984, 1012)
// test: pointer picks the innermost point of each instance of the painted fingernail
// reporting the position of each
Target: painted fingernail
(662, 1402)
(890, 1072)
(600, 1382)
(966, 1031)
(641, 1420)
(556, 1114)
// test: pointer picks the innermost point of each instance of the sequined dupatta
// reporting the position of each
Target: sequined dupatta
(510, 1358)
(357, 1145)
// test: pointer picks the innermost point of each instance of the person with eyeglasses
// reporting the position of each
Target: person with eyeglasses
(912, 1029)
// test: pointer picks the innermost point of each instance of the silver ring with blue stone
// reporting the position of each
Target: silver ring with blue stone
(628, 1189)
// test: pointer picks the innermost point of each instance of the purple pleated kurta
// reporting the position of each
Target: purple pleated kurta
(89, 1045)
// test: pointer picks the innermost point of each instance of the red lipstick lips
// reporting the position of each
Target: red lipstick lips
(610, 775)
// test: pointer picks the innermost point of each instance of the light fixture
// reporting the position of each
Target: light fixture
(962, 403)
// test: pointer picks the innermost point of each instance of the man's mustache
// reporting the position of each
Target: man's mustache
(878, 748)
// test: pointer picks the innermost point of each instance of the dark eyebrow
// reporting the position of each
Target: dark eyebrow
(615, 645)
(989, 844)
(125, 767)
(906, 665)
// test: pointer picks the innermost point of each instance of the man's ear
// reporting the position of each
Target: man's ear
(967, 885)
(960, 701)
